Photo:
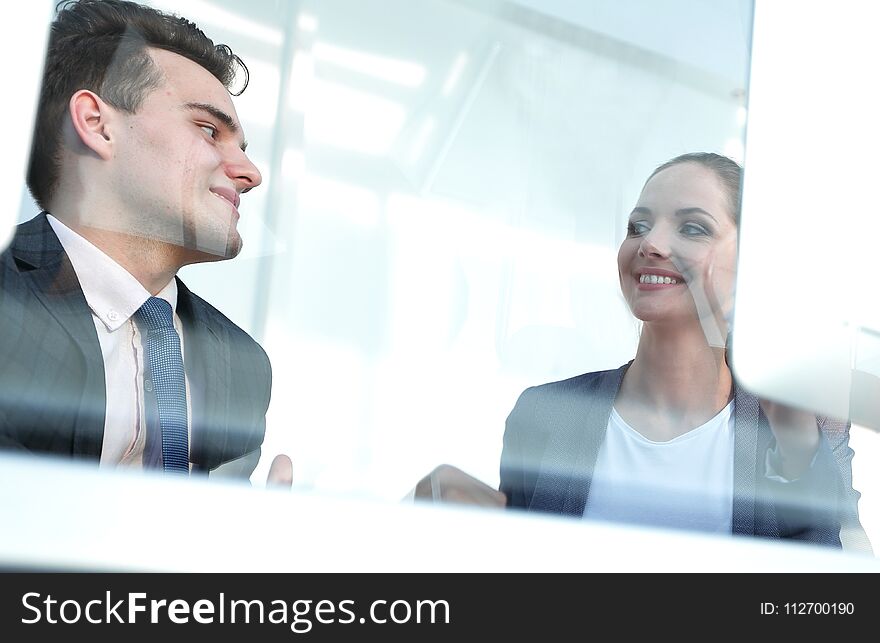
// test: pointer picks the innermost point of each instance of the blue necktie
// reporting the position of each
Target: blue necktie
(167, 376)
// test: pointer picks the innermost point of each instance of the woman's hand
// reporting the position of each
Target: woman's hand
(450, 484)
(797, 436)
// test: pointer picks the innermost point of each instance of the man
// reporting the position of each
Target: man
(138, 162)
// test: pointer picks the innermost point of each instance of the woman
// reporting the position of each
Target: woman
(669, 439)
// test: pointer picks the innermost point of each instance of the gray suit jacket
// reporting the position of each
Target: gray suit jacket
(553, 436)
(52, 391)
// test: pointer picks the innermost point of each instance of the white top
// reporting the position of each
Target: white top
(114, 295)
(685, 483)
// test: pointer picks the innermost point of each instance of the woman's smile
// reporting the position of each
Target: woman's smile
(658, 279)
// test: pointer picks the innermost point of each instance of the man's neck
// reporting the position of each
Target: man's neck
(152, 263)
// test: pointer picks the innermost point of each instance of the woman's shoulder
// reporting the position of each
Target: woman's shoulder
(565, 406)
(594, 385)
(592, 380)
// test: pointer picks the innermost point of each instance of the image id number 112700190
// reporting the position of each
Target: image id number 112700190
(806, 608)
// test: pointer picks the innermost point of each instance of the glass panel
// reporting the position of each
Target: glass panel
(446, 186)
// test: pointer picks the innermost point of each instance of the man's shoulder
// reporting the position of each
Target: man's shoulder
(198, 311)
(202, 310)
(199, 315)
(33, 250)
(31, 244)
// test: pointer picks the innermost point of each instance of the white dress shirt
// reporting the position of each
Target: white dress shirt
(114, 295)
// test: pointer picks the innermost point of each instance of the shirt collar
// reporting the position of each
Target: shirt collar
(112, 293)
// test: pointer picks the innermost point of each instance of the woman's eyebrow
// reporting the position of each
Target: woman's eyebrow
(683, 212)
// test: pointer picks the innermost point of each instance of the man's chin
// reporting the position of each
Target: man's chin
(234, 245)
(202, 254)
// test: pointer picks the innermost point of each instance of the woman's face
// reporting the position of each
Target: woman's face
(678, 260)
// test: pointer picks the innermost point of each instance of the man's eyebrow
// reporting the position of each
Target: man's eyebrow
(221, 116)
(640, 210)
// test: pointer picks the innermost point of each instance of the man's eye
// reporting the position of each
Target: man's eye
(637, 228)
(210, 130)
(694, 230)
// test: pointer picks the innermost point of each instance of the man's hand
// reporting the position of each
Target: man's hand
(797, 436)
(449, 484)
(280, 473)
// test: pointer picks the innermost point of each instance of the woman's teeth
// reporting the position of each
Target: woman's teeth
(656, 279)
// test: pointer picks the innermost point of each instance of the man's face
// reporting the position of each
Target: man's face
(180, 165)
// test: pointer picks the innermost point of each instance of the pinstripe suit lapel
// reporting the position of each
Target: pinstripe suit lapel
(577, 424)
(207, 367)
(48, 272)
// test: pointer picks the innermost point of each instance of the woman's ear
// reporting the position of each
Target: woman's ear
(91, 117)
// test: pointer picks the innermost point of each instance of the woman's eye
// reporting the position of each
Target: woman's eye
(637, 228)
(210, 130)
(694, 230)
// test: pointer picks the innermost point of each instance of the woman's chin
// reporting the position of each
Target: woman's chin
(664, 315)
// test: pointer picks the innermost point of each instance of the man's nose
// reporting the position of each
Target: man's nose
(243, 172)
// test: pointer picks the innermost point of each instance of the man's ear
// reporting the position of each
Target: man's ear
(91, 117)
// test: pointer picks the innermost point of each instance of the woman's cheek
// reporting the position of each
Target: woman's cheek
(723, 281)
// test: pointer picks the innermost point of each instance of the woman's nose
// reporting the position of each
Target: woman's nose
(654, 244)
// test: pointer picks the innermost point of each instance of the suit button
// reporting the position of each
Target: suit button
(148, 384)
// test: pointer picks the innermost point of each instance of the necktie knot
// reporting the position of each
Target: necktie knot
(156, 314)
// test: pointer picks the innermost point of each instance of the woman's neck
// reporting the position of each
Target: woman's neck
(676, 382)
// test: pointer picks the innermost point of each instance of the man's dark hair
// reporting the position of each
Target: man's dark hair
(100, 45)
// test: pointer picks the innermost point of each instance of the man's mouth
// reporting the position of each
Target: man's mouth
(228, 195)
